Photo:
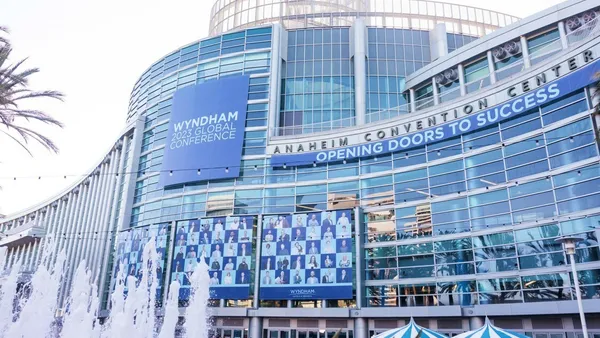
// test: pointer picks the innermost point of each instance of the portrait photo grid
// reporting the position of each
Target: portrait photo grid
(306, 249)
(226, 245)
(130, 249)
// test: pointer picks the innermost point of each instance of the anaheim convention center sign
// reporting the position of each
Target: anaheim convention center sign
(206, 131)
(580, 71)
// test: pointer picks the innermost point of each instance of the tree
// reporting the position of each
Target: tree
(14, 92)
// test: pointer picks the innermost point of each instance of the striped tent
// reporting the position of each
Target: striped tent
(490, 331)
(412, 330)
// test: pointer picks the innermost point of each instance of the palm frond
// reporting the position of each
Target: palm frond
(14, 90)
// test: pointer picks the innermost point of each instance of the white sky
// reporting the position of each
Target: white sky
(94, 51)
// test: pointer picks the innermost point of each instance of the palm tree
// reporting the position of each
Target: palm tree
(14, 91)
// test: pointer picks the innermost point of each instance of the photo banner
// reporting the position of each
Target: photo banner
(130, 249)
(307, 256)
(206, 131)
(226, 245)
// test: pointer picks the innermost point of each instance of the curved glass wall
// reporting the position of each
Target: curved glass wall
(227, 15)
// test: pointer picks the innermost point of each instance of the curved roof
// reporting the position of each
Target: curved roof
(227, 15)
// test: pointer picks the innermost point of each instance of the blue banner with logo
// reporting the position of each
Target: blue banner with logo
(226, 245)
(206, 131)
(307, 256)
(535, 98)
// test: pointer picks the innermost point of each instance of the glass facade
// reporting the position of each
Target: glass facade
(470, 221)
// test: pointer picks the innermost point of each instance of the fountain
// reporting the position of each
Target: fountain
(133, 313)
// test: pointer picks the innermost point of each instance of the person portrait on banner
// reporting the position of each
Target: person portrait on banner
(192, 240)
(298, 263)
(327, 277)
(298, 236)
(313, 235)
(312, 264)
(231, 238)
(178, 267)
(297, 278)
(243, 224)
(272, 223)
(343, 220)
(313, 278)
(344, 278)
(191, 253)
(181, 230)
(228, 280)
(229, 265)
(269, 236)
(344, 247)
(298, 249)
(267, 278)
(181, 241)
(243, 265)
(180, 254)
(219, 226)
(242, 279)
(217, 253)
(284, 237)
(245, 237)
(299, 223)
(328, 234)
(281, 278)
(268, 250)
(329, 249)
(203, 252)
(282, 223)
(345, 262)
(235, 225)
(230, 249)
(327, 222)
(328, 262)
(215, 265)
(214, 279)
(285, 264)
(344, 233)
(243, 250)
(163, 230)
(283, 251)
(268, 264)
(206, 226)
(205, 239)
(193, 227)
(313, 222)
(313, 250)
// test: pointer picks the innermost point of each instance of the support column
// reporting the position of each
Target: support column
(475, 323)
(595, 100)
(274, 81)
(413, 104)
(360, 74)
(359, 239)
(562, 32)
(255, 301)
(436, 92)
(255, 327)
(461, 79)
(491, 66)
(361, 329)
(525, 51)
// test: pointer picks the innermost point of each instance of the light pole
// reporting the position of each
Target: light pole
(569, 244)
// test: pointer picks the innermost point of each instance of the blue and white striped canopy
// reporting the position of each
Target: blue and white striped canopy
(490, 331)
(410, 331)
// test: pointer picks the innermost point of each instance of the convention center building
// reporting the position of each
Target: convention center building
(353, 164)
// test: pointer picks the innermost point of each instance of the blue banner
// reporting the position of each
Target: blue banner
(130, 248)
(307, 256)
(226, 245)
(206, 131)
(544, 94)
